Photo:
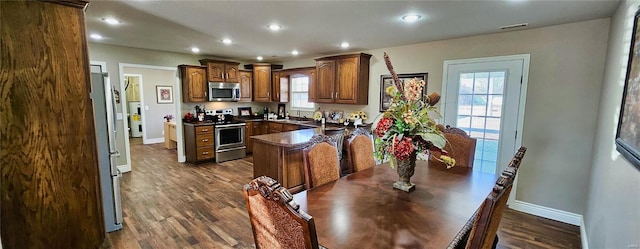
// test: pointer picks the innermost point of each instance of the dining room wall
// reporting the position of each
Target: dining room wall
(565, 77)
(612, 217)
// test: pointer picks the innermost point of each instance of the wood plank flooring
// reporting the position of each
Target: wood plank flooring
(167, 204)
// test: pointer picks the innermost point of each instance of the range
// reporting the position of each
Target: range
(228, 135)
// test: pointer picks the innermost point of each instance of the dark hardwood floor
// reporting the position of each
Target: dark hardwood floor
(171, 205)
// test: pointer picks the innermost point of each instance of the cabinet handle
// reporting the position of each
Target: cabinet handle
(205, 130)
(221, 75)
(227, 76)
(268, 94)
(205, 140)
(205, 153)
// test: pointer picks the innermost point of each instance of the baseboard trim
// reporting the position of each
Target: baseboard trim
(153, 140)
(124, 168)
(583, 233)
(546, 212)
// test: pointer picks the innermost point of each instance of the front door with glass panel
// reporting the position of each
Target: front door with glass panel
(482, 97)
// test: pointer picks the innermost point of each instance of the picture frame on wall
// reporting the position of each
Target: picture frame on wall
(628, 134)
(387, 81)
(334, 116)
(164, 94)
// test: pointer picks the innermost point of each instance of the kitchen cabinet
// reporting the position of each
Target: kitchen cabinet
(280, 87)
(290, 127)
(254, 128)
(170, 135)
(194, 83)
(198, 142)
(275, 127)
(262, 83)
(221, 71)
(342, 79)
(246, 84)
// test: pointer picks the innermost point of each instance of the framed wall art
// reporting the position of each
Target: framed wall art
(164, 94)
(386, 81)
(628, 134)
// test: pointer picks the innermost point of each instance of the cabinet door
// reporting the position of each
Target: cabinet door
(232, 73)
(262, 83)
(245, 80)
(347, 80)
(283, 93)
(325, 87)
(248, 132)
(312, 85)
(275, 85)
(194, 84)
(215, 71)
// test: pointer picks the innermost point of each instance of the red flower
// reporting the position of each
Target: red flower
(383, 126)
(402, 149)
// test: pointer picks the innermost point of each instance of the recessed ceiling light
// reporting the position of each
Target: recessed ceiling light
(226, 41)
(195, 50)
(111, 20)
(411, 18)
(96, 36)
(275, 27)
(344, 45)
(294, 52)
(259, 58)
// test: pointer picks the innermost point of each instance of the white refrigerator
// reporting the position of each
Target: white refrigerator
(104, 111)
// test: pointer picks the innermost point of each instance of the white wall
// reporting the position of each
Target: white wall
(567, 63)
(612, 217)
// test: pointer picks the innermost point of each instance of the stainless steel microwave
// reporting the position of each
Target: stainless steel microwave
(219, 91)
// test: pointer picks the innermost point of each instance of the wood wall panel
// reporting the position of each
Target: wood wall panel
(50, 186)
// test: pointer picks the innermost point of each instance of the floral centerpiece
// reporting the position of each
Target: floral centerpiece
(168, 117)
(407, 129)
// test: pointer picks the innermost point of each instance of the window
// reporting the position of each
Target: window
(300, 93)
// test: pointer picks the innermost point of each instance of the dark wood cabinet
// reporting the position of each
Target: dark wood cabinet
(254, 128)
(262, 83)
(194, 83)
(51, 194)
(342, 79)
(221, 71)
(275, 127)
(313, 77)
(198, 142)
(290, 127)
(246, 84)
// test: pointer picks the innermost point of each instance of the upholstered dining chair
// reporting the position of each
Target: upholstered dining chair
(481, 230)
(460, 147)
(276, 219)
(320, 159)
(360, 150)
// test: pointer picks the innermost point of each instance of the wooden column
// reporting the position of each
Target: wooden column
(48, 159)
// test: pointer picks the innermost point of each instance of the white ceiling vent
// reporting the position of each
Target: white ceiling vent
(514, 26)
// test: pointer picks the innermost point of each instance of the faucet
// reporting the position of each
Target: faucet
(298, 115)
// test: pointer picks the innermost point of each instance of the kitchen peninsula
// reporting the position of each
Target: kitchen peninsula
(279, 155)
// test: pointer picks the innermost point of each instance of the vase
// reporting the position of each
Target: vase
(405, 172)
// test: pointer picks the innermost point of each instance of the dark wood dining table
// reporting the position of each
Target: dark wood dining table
(363, 210)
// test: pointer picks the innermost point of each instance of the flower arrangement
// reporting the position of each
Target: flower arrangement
(358, 115)
(168, 117)
(406, 127)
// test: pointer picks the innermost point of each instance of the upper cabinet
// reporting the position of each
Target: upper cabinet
(194, 83)
(342, 79)
(221, 71)
(262, 83)
(280, 87)
(246, 85)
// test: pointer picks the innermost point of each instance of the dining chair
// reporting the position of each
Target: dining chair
(481, 230)
(276, 219)
(460, 147)
(320, 159)
(360, 150)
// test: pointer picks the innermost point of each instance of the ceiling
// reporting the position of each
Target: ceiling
(316, 28)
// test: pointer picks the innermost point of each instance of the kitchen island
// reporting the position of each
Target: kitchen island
(279, 155)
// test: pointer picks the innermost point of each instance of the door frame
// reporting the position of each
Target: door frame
(521, 105)
(176, 104)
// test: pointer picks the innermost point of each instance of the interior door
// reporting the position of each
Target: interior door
(482, 97)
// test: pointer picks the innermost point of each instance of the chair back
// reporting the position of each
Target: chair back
(360, 150)
(320, 159)
(460, 147)
(514, 164)
(276, 219)
(485, 226)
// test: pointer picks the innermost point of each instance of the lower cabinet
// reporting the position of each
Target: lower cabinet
(198, 142)
(290, 127)
(254, 128)
(275, 127)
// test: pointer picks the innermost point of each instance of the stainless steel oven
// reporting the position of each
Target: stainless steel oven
(229, 141)
(224, 91)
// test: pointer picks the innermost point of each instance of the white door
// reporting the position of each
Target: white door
(483, 97)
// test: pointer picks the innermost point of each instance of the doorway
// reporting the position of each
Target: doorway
(485, 97)
(135, 112)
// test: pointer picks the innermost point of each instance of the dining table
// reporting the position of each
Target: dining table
(363, 210)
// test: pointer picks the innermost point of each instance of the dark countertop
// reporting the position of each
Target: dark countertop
(291, 139)
(197, 123)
